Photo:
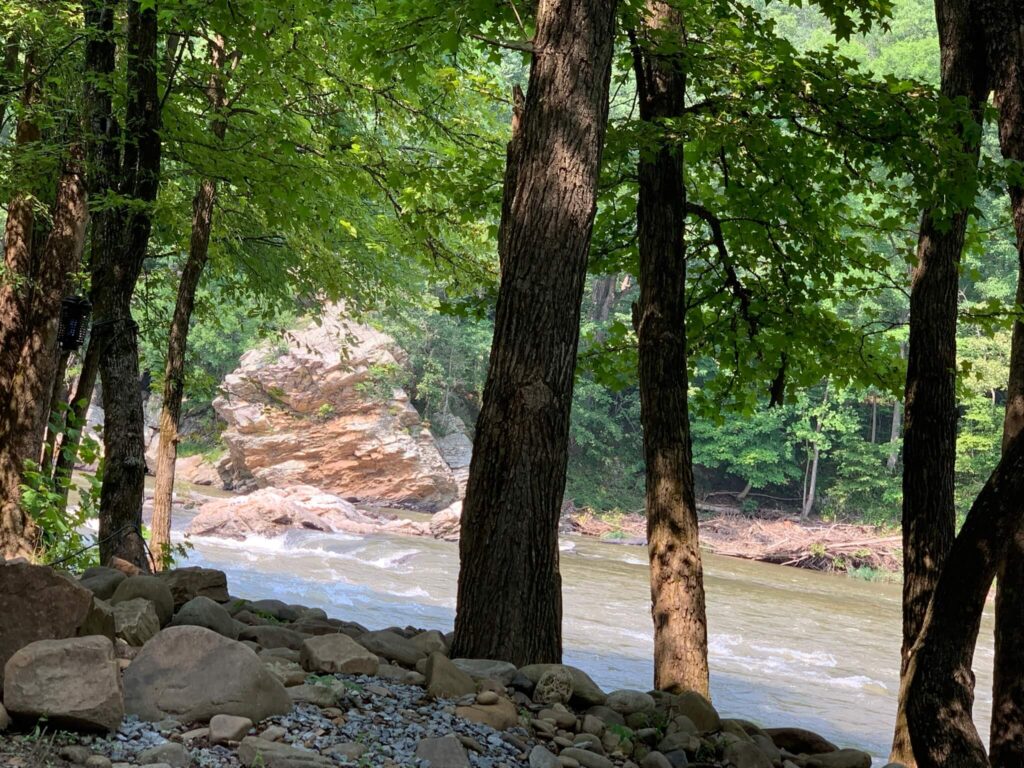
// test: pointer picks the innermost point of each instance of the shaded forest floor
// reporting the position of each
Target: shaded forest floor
(865, 551)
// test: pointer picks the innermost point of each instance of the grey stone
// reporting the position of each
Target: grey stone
(192, 674)
(348, 750)
(800, 741)
(392, 647)
(188, 583)
(254, 751)
(841, 758)
(102, 581)
(288, 672)
(277, 609)
(585, 691)
(698, 709)
(485, 669)
(542, 758)
(136, 621)
(273, 637)
(445, 680)
(203, 612)
(98, 761)
(627, 702)
(337, 653)
(5, 719)
(586, 758)
(320, 695)
(745, 754)
(151, 588)
(171, 753)
(655, 760)
(442, 752)
(225, 728)
(554, 685)
(74, 682)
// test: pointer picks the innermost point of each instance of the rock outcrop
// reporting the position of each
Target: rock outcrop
(327, 411)
(273, 511)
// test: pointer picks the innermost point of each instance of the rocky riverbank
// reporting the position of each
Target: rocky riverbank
(170, 670)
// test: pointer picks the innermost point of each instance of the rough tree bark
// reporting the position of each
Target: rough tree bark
(78, 408)
(677, 577)
(174, 369)
(16, 530)
(22, 413)
(1004, 29)
(509, 594)
(938, 686)
(929, 438)
(119, 248)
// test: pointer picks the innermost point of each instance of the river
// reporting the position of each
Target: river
(787, 646)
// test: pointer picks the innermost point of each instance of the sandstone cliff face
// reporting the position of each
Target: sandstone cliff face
(324, 412)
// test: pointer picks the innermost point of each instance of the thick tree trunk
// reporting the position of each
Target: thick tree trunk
(677, 578)
(929, 438)
(119, 248)
(174, 369)
(938, 686)
(17, 533)
(23, 414)
(509, 595)
(1004, 22)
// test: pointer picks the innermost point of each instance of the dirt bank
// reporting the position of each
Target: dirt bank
(769, 537)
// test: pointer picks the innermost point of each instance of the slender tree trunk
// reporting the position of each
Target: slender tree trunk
(78, 410)
(119, 248)
(677, 578)
(929, 439)
(894, 435)
(12, 48)
(874, 420)
(174, 370)
(1004, 22)
(811, 481)
(509, 595)
(58, 397)
(938, 686)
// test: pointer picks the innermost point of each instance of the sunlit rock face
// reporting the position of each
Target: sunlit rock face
(323, 409)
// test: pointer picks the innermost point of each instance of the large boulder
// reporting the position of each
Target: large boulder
(151, 588)
(255, 752)
(47, 606)
(192, 673)
(75, 683)
(326, 412)
(337, 653)
(136, 621)
(273, 511)
(203, 612)
(445, 680)
(187, 583)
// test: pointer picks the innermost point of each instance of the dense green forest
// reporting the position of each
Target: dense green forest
(746, 453)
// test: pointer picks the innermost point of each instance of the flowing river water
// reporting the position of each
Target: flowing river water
(787, 646)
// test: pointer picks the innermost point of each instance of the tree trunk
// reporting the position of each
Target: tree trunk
(811, 480)
(509, 595)
(874, 420)
(58, 397)
(23, 414)
(677, 578)
(929, 438)
(1004, 21)
(122, 238)
(174, 370)
(78, 410)
(17, 534)
(894, 435)
(938, 685)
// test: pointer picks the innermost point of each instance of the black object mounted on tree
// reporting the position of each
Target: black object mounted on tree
(74, 322)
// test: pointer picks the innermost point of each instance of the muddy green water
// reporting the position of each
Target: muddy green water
(787, 647)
